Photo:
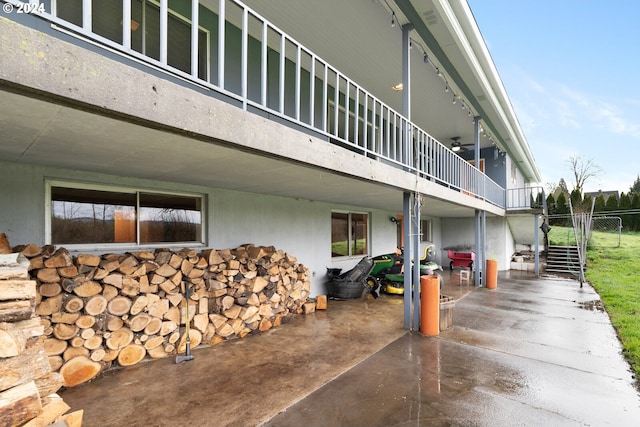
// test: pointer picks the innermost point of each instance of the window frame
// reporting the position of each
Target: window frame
(367, 249)
(49, 183)
(426, 235)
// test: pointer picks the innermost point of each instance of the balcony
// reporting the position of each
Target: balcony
(231, 52)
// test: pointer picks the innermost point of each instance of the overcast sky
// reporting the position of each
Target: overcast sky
(570, 68)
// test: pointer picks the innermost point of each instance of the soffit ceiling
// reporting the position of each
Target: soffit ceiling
(358, 38)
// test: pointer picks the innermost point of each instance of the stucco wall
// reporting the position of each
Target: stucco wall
(460, 232)
(299, 227)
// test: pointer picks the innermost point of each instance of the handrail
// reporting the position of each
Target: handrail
(526, 198)
(272, 72)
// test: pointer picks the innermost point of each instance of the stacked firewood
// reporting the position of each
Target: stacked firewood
(28, 384)
(118, 309)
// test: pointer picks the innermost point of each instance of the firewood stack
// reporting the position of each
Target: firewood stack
(119, 309)
(28, 384)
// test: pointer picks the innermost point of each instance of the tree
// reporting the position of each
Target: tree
(635, 205)
(551, 204)
(583, 170)
(600, 203)
(576, 200)
(625, 205)
(612, 203)
(586, 203)
(635, 188)
(562, 185)
(562, 209)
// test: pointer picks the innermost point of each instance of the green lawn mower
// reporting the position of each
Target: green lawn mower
(387, 272)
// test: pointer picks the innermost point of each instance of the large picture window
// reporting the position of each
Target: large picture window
(349, 234)
(80, 215)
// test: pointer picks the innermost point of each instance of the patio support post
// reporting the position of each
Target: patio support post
(479, 227)
(411, 298)
(406, 211)
(483, 238)
(415, 289)
(477, 250)
(536, 241)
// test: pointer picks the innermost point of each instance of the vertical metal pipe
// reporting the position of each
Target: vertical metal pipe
(336, 101)
(126, 24)
(87, 22)
(264, 64)
(325, 97)
(483, 238)
(297, 87)
(356, 117)
(478, 249)
(406, 211)
(281, 79)
(312, 92)
(222, 20)
(415, 289)
(536, 256)
(195, 24)
(347, 98)
(164, 25)
(244, 58)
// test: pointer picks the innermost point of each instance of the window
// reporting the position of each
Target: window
(349, 234)
(87, 215)
(426, 231)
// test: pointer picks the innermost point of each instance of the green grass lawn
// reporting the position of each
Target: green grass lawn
(613, 272)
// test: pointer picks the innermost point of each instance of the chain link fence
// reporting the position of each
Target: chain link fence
(605, 232)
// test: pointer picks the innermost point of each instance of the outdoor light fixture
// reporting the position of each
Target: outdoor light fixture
(394, 220)
(398, 87)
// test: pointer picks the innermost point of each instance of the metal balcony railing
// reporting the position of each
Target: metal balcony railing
(526, 198)
(226, 47)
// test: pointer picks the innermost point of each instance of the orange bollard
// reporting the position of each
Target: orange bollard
(429, 305)
(491, 274)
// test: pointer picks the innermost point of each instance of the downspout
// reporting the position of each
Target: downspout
(411, 301)
(480, 234)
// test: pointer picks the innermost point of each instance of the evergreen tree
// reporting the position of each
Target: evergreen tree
(612, 203)
(576, 200)
(600, 203)
(635, 188)
(635, 205)
(562, 209)
(625, 205)
(586, 203)
(551, 204)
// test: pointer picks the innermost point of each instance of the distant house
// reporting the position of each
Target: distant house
(605, 194)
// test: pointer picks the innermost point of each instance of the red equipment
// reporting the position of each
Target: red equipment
(461, 259)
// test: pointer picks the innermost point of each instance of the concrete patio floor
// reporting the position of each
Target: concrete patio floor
(534, 351)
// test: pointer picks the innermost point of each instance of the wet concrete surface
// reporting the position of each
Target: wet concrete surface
(532, 352)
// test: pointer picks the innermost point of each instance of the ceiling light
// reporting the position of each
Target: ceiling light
(398, 87)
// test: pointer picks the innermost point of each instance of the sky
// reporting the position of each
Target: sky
(571, 69)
